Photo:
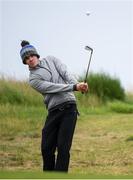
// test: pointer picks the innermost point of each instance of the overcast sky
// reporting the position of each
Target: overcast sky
(62, 29)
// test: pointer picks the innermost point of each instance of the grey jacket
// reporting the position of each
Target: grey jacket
(51, 79)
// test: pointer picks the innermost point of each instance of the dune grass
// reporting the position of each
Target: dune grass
(103, 139)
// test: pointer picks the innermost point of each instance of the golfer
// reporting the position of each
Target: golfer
(50, 78)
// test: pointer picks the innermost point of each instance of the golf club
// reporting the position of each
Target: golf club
(88, 49)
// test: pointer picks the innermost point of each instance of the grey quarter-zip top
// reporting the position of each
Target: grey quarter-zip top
(51, 78)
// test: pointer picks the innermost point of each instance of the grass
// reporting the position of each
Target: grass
(121, 107)
(104, 148)
(102, 145)
(53, 175)
(17, 92)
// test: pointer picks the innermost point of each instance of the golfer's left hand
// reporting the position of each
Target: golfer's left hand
(84, 87)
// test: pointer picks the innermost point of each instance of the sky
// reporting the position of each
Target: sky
(62, 29)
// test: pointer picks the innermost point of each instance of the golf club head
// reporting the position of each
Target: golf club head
(88, 48)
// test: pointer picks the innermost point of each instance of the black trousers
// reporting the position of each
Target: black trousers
(58, 134)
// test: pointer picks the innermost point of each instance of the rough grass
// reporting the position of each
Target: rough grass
(17, 92)
(105, 86)
(103, 139)
(121, 107)
(103, 147)
(100, 143)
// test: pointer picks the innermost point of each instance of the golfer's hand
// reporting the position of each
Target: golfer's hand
(83, 87)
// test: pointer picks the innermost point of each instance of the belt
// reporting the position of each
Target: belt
(63, 106)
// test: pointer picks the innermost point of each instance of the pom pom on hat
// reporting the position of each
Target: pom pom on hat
(24, 43)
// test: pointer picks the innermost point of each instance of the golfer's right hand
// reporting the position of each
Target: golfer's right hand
(83, 87)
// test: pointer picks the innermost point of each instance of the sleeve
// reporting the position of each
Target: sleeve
(45, 87)
(62, 69)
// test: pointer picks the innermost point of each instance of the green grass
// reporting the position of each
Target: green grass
(53, 175)
(102, 145)
(121, 107)
(105, 86)
(17, 92)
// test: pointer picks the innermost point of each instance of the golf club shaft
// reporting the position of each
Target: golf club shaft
(85, 80)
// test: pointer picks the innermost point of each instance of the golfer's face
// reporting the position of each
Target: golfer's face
(32, 61)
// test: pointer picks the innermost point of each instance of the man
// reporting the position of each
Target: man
(50, 78)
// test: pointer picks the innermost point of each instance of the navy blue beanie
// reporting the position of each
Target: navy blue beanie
(27, 50)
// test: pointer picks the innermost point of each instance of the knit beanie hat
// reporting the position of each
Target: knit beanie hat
(27, 50)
